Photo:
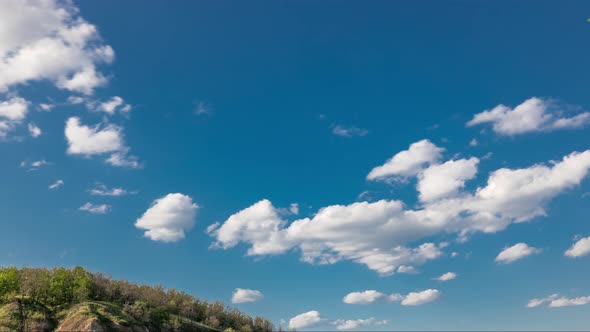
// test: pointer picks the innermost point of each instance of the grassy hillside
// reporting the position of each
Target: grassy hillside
(77, 300)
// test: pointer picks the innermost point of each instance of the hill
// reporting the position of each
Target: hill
(60, 299)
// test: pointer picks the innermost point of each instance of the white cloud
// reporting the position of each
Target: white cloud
(76, 100)
(114, 104)
(439, 181)
(48, 40)
(346, 131)
(349, 324)
(566, 302)
(46, 107)
(411, 299)
(88, 141)
(95, 208)
(34, 131)
(419, 298)
(533, 115)
(12, 112)
(365, 297)
(447, 276)
(294, 208)
(407, 269)
(305, 320)
(34, 165)
(123, 159)
(242, 295)
(473, 142)
(98, 140)
(556, 301)
(516, 252)
(14, 109)
(378, 234)
(168, 218)
(409, 162)
(56, 184)
(102, 190)
(580, 248)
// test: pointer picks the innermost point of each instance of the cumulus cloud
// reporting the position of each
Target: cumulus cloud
(242, 295)
(305, 320)
(409, 162)
(86, 140)
(516, 252)
(378, 234)
(580, 248)
(447, 276)
(98, 140)
(168, 218)
(423, 297)
(556, 301)
(95, 208)
(48, 40)
(34, 131)
(438, 181)
(411, 299)
(349, 131)
(12, 112)
(533, 115)
(56, 184)
(365, 297)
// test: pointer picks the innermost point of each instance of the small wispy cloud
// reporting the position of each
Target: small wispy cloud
(95, 209)
(349, 131)
(102, 190)
(56, 184)
(202, 108)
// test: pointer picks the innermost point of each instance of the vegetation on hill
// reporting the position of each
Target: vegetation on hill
(35, 299)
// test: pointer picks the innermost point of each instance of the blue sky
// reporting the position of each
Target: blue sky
(335, 145)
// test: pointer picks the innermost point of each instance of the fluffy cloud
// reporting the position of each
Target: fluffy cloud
(365, 297)
(580, 248)
(114, 104)
(516, 252)
(345, 131)
(34, 131)
(438, 181)
(12, 112)
(86, 140)
(411, 299)
(556, 301)
(48, 40)
(95, 208)
(419, 298)
(168, 218)
(447, 276)
(533, 115)
(305, 320)
(350, 324)
(56, 184)
(98, 140)
(409, 162)
(378, 234)
(241, 295)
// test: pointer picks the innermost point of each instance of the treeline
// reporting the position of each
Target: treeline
(60, 288)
